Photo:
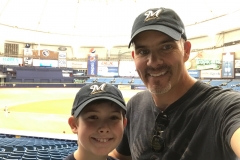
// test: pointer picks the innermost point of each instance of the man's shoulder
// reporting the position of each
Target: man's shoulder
(139, 97)
(140, 94)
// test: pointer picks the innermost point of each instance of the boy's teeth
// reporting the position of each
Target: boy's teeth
(102, 139)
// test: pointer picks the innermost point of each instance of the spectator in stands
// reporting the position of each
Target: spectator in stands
(178, 117)
(98, 118)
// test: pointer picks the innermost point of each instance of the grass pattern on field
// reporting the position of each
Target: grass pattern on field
(40, 109)
(62, 106)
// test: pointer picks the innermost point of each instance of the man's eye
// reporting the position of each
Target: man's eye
(142, 52)
(166, 47)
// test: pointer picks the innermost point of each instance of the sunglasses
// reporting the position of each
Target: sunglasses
(161, 124)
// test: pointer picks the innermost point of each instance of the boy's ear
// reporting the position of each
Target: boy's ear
(124, 122)
(73, 124)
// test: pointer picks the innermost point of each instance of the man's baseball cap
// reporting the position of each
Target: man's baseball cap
(96, 91)
(160, 19)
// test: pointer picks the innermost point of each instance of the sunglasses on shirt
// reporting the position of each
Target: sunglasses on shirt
(161, 124)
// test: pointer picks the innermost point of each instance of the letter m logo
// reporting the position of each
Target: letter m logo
(98, 89)
(152, 15)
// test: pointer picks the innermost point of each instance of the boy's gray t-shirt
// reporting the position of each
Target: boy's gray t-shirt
(71, 157)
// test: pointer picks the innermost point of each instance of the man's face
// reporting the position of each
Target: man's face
(100, 128)
(159, 61)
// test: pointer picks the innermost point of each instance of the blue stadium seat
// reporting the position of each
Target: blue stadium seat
(56, 157)
(43, 157)
(16, 154)
(30, 148)
(3, 155)
(8, 148)
(14, 157)
(30, 155)
(25, 158)
(19, 148)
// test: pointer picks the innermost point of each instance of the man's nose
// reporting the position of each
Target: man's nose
(154, 60)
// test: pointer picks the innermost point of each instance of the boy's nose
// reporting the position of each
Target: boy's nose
(103, 128)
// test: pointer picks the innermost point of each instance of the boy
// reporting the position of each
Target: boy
(98, 118)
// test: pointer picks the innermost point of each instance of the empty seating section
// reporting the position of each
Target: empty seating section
(225, 84)
(29, 76)
(135, 82)
(34, 148)
(116, 81)
(218, 82)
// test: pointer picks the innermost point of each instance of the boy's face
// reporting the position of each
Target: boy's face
(100, 128)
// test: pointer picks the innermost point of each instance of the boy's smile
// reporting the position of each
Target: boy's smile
(100, 127)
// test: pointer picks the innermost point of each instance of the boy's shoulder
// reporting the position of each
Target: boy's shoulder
(111, 158)
(70, 157)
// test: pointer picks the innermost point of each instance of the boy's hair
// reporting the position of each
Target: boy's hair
(97, 91)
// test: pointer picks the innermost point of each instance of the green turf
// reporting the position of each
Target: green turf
(62, 106)
(42, 114)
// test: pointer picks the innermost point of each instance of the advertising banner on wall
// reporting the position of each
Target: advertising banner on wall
(122, 87)
(203, 64)
(27, 52)
(107, 68)
(237, 64)
(27, 61)
(10, 61)
(194, 73)
(228, 65)
(237, 73)
(211, 73)
(62, 55)
(77, 64)
(45, 63)
(45, 54)
(127, 68)
(92, 64)
(62, 63)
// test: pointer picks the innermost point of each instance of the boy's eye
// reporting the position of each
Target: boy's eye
(115, 117)
(93, 117)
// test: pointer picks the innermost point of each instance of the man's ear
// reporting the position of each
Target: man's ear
(187, 50)
(133, 54)
(73, 124)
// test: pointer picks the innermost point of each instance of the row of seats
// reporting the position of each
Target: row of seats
(225, 84)
(34, 148)
(131, 81)
(137, 81)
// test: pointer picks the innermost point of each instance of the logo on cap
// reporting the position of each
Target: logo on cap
(98, 89)
(152, 15)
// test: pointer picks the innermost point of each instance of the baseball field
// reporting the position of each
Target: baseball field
(39, 109)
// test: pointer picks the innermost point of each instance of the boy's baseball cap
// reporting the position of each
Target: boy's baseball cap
(160, 19)
(96, 91)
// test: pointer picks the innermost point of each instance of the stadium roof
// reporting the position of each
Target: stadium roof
(90, 21)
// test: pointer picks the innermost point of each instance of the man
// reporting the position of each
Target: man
(178, 117)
